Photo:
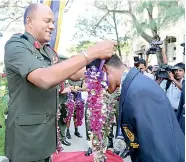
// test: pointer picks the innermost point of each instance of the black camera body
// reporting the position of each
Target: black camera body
(136, 58)
(164, 69)
(154, 47)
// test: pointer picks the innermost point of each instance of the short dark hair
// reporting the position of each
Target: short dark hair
(29, 10)
(180, 65)
(114, 61)
(95, 63)
(141, 61)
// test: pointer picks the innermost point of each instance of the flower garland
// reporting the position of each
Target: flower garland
(79, 109)
(110, 100)
(97, 85)
(70, 107)
(59, 144)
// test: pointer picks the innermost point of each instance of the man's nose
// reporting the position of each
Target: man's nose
(51, 26)
(175, 71)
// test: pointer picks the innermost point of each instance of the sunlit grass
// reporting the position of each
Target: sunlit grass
(3, 109)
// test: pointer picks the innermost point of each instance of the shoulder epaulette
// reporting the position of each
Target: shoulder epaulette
(48, 45)
(16, 36)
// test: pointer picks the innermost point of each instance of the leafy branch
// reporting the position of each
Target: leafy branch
(6, 27)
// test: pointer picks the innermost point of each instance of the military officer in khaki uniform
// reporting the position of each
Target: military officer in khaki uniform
(33, 75)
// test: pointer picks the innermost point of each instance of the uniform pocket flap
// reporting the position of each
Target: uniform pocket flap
(32, 119)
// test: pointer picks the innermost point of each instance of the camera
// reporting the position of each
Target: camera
(163, 71)
(183, 45)
(154, 47)
(136, 58)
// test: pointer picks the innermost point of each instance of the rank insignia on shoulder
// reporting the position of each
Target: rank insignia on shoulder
(129, 136)
(23, 36)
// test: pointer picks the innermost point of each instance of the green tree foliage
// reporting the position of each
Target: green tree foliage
(3, 110)
(12, 11)
(96, 23)
(81, 46)
(11, 14)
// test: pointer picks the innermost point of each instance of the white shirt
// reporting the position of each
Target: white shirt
(84, 96)
(149, 75)
(173, 93)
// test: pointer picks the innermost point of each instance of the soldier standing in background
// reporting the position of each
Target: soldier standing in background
(62, 100)
(75, 86)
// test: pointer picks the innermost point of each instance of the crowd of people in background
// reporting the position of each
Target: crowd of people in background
(36, 83)
(172, 82)
(173, 85)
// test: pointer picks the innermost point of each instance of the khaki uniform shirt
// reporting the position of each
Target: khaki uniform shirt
(31, 123)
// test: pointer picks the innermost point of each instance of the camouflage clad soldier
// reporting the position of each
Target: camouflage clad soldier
(75, 86)
(64, 90)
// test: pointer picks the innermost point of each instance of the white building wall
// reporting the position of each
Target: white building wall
(176, 30)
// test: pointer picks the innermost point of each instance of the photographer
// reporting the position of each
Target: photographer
(173, 85)
(177, 76)
(142, 66)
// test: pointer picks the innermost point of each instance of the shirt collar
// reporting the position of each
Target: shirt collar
(123, 77)
(182, 80)
(32, 40)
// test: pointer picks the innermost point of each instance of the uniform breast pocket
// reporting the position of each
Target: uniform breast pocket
(32, 132)
(31, 119)
(29, 128)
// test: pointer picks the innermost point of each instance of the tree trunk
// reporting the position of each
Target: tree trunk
(117, 37)
(139, 28)
(159, 58)
(158, 53)
(143, 34)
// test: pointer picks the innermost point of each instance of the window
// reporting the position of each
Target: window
(171, 48)
(171, 40)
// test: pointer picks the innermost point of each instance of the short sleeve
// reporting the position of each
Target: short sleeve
(63, 58)
(19, 59)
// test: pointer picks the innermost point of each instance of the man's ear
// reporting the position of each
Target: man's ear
(29, 21)
(106, 68)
